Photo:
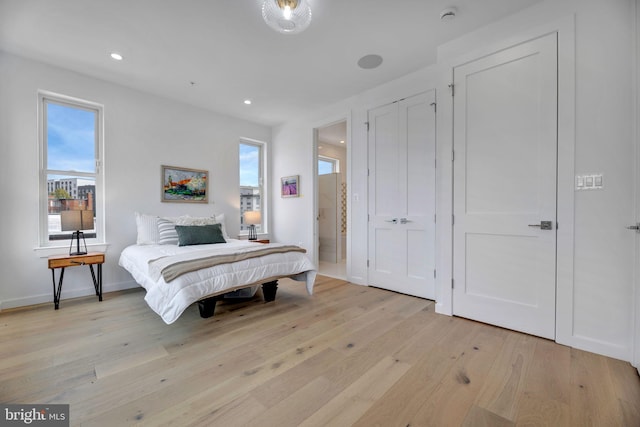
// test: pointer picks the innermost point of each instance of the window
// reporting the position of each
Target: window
(327, 165)
(70, 168)
(252, 182)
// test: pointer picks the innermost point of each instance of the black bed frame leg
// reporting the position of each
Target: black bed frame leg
(207, 307)
(269, 290)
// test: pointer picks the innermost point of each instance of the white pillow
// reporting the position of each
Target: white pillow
(147, 229)
(220, 220)
(196, 220)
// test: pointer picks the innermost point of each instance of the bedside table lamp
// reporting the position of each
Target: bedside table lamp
(75, 221)
(251, 218)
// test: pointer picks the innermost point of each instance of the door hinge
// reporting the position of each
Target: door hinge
(435, 218)
(367, 263)
(434, 274)
(453, 219)
(368, 172)
(452, 87)
(367, 125)
(453, 155)
(557, 225)
(368, 218)
(451, 283)
(435, 107)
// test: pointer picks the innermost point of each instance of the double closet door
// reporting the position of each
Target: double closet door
(401, 227)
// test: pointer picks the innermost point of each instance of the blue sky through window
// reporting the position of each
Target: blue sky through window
(70, 138)
(324, 167)
(249, 165)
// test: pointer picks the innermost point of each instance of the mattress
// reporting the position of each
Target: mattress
(170, 299)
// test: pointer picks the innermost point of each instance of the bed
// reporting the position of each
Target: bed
(176, 276)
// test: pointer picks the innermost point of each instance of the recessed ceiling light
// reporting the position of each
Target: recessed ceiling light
(369, 62)
(247, 101)
(116, 56)
(341, 141)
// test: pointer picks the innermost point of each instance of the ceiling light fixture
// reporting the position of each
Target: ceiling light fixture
(247, 101)
(117, 56)
(287, 16)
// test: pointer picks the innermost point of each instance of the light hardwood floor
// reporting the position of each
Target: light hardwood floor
(348, 355)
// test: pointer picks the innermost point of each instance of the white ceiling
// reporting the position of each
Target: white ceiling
(225, 47)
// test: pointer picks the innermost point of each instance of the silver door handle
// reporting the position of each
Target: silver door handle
(634, 227)
(544, 225)
(404, 220)
(393, 221)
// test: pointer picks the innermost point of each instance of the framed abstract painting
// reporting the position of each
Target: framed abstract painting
(184, 185)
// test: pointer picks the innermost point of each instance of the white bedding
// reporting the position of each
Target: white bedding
(169, 300)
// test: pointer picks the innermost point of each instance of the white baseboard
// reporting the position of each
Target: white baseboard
(66, 294)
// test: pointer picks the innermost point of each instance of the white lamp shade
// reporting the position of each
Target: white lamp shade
(76, 220)
(252, 217)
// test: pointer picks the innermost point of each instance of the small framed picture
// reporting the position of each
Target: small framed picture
(290, 186)
(184, 185)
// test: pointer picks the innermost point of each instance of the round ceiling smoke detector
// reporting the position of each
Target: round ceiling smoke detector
(369, 62)
(448, 14)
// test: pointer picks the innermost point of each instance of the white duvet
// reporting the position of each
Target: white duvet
(169, 300)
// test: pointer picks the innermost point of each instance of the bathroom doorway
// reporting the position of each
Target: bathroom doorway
(332, 171)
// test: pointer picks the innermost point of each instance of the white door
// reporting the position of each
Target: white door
(505, 150)
(402, 196)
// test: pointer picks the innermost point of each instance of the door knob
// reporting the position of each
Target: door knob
(544, 225)
(635, 227)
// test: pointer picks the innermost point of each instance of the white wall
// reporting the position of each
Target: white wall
(142, 132)
(598, 314)
(636, 70)
(595, 310)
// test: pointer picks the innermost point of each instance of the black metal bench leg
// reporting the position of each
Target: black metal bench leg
(269, 290)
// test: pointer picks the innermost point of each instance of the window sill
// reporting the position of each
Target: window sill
(47, 251)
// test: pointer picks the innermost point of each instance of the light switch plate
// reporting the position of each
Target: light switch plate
(589, 182)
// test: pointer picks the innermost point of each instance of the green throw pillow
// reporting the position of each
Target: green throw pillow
(199, 234)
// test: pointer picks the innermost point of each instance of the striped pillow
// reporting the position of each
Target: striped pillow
(167, 234)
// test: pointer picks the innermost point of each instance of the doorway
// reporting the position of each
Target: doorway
(331, 215)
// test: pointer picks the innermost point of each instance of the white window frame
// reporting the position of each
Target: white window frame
(262, 183)
(334, 161)
(45, 97)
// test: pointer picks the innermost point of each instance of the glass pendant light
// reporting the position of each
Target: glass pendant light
(287, 16)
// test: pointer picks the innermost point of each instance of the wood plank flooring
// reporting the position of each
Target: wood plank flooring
(348, 355)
